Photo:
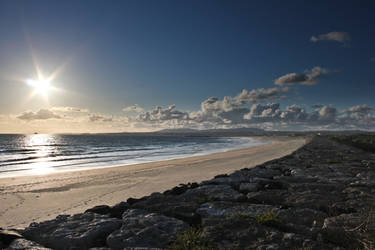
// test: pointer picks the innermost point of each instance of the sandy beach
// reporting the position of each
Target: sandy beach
(36, 198)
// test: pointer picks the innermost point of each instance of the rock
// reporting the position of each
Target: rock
(176, 206)
(81, 231)
(214, 192)
(248, 187)
(118, 209)
(143, 229)
(23, 244)
(233, 180)
(303, 216)
(7, 236)
(262, 172)
(102, 209)
(227, 209)
(180, 189)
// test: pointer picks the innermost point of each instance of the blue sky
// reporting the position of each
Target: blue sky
(158, 53)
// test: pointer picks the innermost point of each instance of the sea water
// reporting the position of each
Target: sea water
(49, 153)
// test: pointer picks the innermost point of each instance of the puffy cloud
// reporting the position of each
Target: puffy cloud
(159, 115)
(294, 113)
(133, 108)
(372, 59)
(69, 109)
(317, 106)
(309, 77)
(328, 113)
(42, 114)
(341, 37)
(264, 113)
(261, 94)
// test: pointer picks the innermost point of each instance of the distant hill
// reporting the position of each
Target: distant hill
(213, 132)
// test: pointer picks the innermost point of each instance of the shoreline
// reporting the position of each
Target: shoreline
(29, 199)
(255, 142)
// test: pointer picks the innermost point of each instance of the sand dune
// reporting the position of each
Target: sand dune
(36, 198)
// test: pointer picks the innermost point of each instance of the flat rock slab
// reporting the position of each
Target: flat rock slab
(79, 231)
(142, 229)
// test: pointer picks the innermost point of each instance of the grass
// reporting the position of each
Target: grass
(270, 217)
(192, 239)
(204, 198)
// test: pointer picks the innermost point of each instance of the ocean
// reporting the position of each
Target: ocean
(48, 153)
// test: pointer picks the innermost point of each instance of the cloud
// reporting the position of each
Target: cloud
(69, 109)
(341, 37)
(161, 115)
(133, 108)
(261, 94)
(269, 112)
(328, 113)
(309, 77)
(372, 59)
(99, 118)
(42, 114)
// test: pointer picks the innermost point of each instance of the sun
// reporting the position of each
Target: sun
(41, 86)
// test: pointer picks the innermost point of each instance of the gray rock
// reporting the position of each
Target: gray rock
(143, 229)
(303, 216)
(80, 231)
(101, 209)
(215, 192)
(222, 208)
(23, 244)
(248, 187)
(118, 209)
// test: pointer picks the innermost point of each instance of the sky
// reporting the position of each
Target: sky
(125, 66)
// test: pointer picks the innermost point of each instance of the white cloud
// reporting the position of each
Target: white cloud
(100, 118)
(42, 114)
(133, 108)
(309, 77)
(341, 37)
(261, 94)
(69, 109)
(160, 115)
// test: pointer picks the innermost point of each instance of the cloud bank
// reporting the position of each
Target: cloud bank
(42, 114)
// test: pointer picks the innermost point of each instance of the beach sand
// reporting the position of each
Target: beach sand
(37, 198)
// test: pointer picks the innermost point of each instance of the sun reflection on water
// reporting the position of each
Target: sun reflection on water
(42, 146)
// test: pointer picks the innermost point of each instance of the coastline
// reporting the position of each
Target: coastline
(38, 198)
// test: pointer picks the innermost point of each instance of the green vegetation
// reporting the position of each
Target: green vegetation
(204, 198)
(268, 218)
(192, 239)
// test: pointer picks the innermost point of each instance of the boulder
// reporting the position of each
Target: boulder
(142, 229)
(101, 209)
(214, 192)
(23, 244)
(118, 209)
(79, 231)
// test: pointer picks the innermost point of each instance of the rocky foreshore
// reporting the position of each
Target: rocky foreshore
(320, 197)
